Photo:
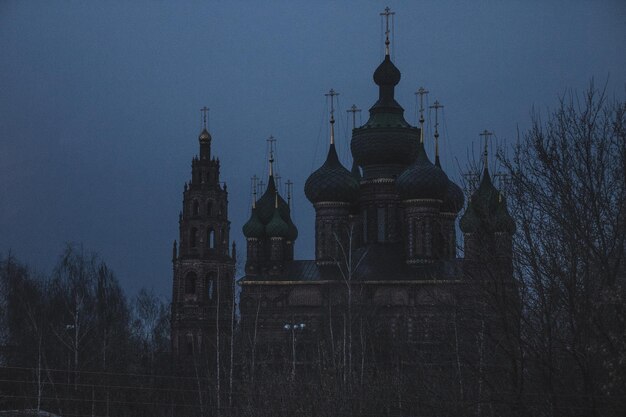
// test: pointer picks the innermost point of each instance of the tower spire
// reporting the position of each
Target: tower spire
(436, 106)
(486, 134)
(332, 93)
(387, 13)
(421, 92)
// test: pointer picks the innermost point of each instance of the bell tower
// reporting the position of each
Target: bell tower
(204, 268)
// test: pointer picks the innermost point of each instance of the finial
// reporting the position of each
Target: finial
(421, 92)
(387, 13)
(254, 180)
(436, 106)
(486, 134)
(271, 142)
(289, 185)
(204, 111)
(332, 93)
(354, 110)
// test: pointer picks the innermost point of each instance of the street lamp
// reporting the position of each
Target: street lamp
(293, 327)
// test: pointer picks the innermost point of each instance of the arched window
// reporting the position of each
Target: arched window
(195, 208)
(210, 282)
(193, 237)
(209, 208)
(211, 238)
(190, 283)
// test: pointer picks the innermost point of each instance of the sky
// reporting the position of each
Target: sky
(100, 102)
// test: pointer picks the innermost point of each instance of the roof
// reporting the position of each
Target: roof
(382, 262)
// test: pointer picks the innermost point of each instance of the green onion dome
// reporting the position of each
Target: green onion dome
(277, 227)
(454, 198)
(265, 204)
(487, 210)
(422, 179)
(331, 182)
(292, 234)
(254, 227)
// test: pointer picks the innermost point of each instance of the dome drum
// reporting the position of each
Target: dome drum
(384, 146)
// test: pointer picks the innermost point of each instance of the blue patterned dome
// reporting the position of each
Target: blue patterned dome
(331, 182)
(422, 180)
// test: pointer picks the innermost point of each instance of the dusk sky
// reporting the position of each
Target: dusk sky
(100, 102)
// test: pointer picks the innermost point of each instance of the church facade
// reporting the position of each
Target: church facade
(386, 265)
(386, 285)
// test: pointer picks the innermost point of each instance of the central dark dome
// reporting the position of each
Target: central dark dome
(386, 144)
(387, 73)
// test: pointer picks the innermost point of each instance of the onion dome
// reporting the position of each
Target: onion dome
(387, 74)
(331, 182)
(265, 204)
(502, 219)
(277, 227)
(253, 227)
(292, 233)
(454, 198)
(422, 179)
(205, 136)
(487, 210)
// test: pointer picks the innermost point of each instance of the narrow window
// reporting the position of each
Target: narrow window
(196, 208)
(209, 286)
(211, 282)
(209, 208)
(211, 238)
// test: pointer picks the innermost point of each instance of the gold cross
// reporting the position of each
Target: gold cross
(387, 13)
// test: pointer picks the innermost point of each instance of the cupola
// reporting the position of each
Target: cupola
(332, 182)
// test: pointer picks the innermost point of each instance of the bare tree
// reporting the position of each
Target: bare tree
(568, 193)
(348, 264)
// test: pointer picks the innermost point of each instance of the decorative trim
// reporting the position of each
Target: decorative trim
(422, 200)
(379, 181)
(331, 204)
